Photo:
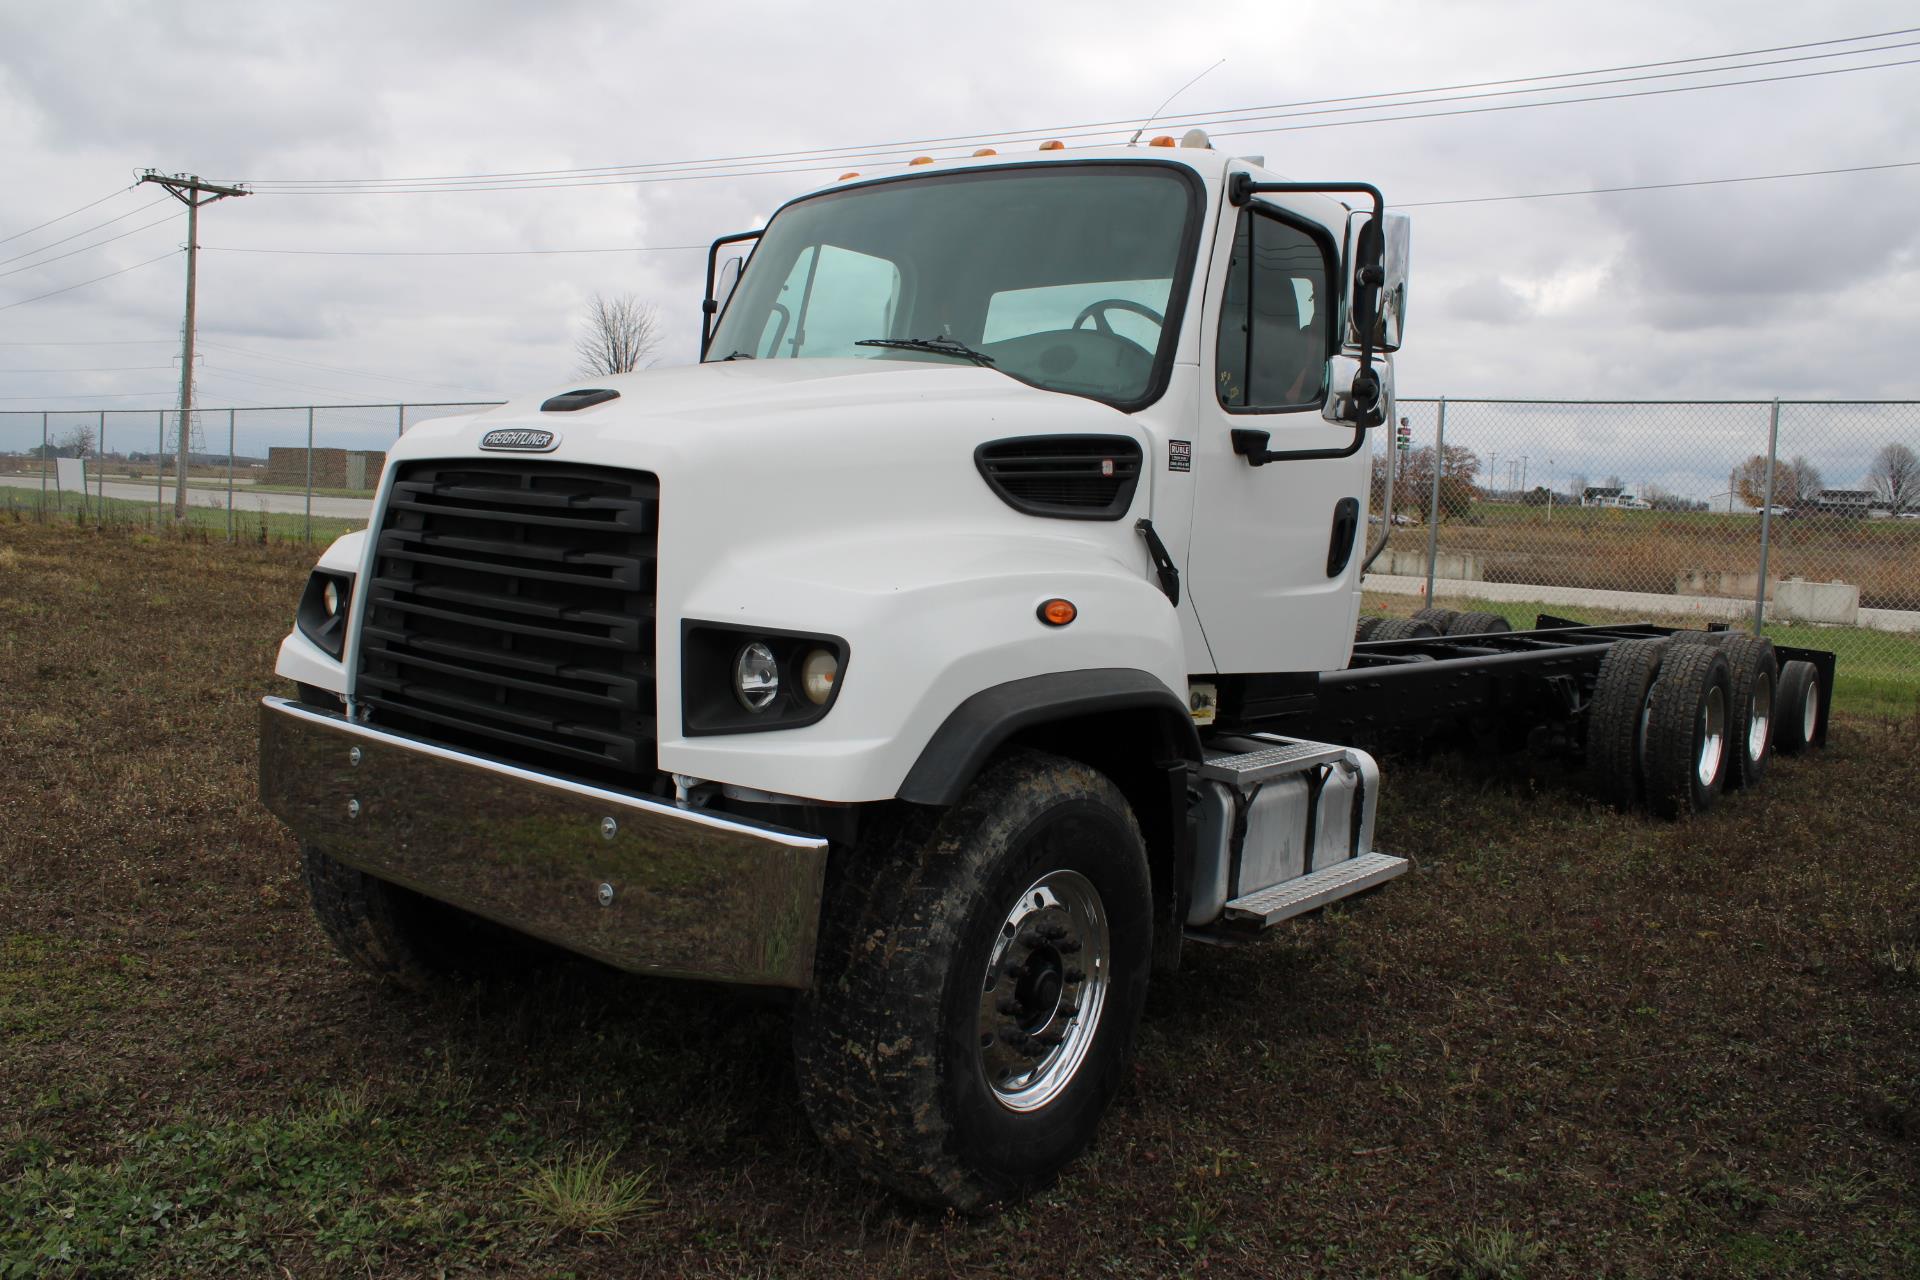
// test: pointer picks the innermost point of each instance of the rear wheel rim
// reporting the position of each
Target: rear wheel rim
(1043, 991)
(1713, 736)
(1810, 709)
(1760, 717)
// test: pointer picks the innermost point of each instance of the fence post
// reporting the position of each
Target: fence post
(230, 443)
(1433, 499)
(309, 533)
(41, 512)
(159, 464)
(399, 421)
(1766, 517)
(100, 472)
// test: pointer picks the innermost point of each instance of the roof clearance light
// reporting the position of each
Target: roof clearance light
(850, 174)
(1164, 140)
(1053, 145)
(986, 151)
(1057, 612)
(919, 160)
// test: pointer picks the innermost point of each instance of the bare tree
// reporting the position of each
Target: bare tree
(75, 443)
(1806, 481)
(617, 334)
(1896, 477)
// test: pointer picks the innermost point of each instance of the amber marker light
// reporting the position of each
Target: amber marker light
(919, 160)
(986, 151)
(845, 176)
(1054, 145)
(1057, 612)
(1163, 140)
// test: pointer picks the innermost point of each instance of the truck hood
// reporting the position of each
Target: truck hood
(729, 403)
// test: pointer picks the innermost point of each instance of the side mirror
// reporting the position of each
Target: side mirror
(1351, 399)
(1379, 309)
(725, 281)
(712, 301)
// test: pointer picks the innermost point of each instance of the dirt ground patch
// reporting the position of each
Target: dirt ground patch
(1572, 1044)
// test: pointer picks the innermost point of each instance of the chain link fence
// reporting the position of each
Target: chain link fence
(302, 472)
(1798, 518)
(1801, 518)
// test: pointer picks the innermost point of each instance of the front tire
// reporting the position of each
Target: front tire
(980, 978)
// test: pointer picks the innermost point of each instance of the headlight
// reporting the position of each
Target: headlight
(736, 679)
(756, 677)
(322, 615)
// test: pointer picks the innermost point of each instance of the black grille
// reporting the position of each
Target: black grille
(511, 613)
(1067, 477)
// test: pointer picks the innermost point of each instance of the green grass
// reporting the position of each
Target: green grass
(246, 525)
(1875, 672)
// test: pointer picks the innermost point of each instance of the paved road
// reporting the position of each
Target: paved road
(244, 501)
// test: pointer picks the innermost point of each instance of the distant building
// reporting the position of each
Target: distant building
(332, 468)
(1600, 496)
(1844, 502)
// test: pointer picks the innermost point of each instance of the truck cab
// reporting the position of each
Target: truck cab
(910, 651)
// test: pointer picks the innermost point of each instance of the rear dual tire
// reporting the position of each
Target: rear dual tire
(1659, 726)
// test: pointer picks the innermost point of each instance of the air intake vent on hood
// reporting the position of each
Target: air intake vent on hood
(1066, 477)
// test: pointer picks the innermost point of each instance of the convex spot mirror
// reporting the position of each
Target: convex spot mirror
(1381, 309)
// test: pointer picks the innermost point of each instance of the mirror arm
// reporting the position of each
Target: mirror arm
(1368, 274)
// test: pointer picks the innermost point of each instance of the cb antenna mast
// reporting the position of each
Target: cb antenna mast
(1148, 122)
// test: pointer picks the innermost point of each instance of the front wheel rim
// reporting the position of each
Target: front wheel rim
(1044, 990)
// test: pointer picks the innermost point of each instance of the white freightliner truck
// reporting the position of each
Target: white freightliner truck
(971, 627)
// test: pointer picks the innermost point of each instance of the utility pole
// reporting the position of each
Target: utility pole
(190, 191)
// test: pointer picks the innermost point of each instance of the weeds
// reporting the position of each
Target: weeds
(579, 1195)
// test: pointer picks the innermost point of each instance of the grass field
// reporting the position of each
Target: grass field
(1572, 1043)
(247, 525)
(1877, 672)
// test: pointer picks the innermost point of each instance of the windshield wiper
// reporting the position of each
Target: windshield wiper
(939, 346)
(737, 355)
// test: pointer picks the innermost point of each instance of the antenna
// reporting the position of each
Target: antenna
(1148, 122)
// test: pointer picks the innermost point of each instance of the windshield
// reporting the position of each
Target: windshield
(1061, 275)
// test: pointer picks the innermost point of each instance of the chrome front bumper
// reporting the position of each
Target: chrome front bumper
(638, 883)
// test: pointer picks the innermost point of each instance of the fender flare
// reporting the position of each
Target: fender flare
(978, 726)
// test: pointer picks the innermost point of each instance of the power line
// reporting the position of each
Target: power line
(328, 368)
(1397, 204)
(864, 150)
(87, 248)
(117, 368)
(1659, 186)
(695, 176)
(83, 231)
(63, 217)
(84, 283)
(1568, 102)
(96, 395)
(98, 342)
(455, 253)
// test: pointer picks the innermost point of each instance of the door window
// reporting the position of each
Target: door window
(1275, 321)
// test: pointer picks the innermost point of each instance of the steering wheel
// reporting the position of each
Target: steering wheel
(1097, 312)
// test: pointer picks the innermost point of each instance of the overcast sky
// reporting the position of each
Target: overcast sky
(1804, 287)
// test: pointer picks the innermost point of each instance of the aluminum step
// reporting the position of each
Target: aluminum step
(1271, 762)
(1310, 892)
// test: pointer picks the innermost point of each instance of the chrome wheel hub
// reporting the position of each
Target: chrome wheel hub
(1760, 717)
(1713, 736)
(1043, 991)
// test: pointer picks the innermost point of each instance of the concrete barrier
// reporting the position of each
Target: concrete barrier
(1798, 600)
(1412, 563)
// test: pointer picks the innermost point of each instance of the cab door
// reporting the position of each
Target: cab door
(1273, 564)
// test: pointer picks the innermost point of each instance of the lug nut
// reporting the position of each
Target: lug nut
(1074, 975)
(1068, 947)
